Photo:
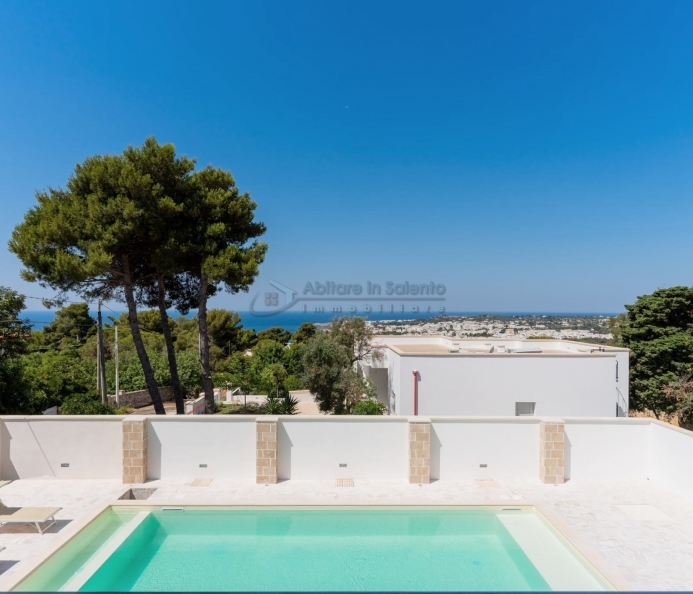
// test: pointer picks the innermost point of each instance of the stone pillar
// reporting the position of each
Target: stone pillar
(266, 451)
(419, 450)
(551, 452)
(134, 450)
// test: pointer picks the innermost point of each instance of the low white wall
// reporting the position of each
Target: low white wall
(311, 448)
(314, 448)
(508, 447)
(607, 448)
(32, 447)
(178, 445)
(671, 458)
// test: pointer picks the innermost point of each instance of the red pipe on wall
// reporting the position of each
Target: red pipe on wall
(416, 392)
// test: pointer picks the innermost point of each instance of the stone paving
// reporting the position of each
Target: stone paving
(642, 531)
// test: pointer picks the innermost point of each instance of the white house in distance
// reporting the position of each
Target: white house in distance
(438, 375)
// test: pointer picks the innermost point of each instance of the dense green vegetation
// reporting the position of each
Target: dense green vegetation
(56, 366)
(658, 329)
(14, 335)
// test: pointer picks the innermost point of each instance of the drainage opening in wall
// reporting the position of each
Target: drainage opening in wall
(137, 494)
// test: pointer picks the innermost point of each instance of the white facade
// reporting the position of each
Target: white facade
(497, 377)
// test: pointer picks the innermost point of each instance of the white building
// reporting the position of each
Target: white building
(437, 375)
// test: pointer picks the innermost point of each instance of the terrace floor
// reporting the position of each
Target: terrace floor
(644, 532)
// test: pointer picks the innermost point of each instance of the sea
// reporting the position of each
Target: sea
(291, 320)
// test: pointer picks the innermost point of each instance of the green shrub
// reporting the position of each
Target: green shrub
(189, 372)
(16, 394)
(222, 378)
(293, 383)
(368, 406)
(273, 405)
(239, 409)
(85, 404)
(281, 405)
(289, 406)
(132, 376)
(57, 375)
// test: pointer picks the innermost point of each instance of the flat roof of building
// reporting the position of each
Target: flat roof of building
(437, 345)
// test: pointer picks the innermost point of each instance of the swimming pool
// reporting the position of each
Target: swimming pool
(133, 548)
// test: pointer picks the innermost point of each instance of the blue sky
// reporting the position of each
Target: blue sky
(530, 156)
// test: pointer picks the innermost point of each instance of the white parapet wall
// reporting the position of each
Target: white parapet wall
(64, 447)
(671, 457)
(608, 448)
(481, 448)
(342, 447)
(333, 447)
(201, 446)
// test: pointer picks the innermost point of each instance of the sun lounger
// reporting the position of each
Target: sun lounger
(29, 515)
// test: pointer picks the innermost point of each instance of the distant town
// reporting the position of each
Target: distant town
(588, 328)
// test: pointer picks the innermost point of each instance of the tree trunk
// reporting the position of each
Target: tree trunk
(172, 365)
(204, 344)
(139, 345)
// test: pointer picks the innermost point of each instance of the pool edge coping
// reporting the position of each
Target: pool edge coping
(583, 548)
(608, 572)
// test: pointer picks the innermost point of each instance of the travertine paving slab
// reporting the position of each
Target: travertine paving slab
(645, 512)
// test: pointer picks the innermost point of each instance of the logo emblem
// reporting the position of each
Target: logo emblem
(272, 299)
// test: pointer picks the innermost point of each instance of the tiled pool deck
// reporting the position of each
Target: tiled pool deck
(645, 533)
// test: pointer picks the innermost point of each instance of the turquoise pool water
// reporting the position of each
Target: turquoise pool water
(300, 550)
